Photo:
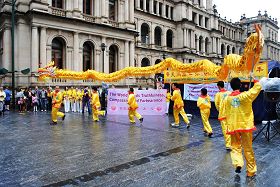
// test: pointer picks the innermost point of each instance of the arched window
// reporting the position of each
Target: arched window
(158, 36)
(233, 50)
(113, 10)
(57, 3)
(223, 50)
(145, 62)
(196, 42)
(200, 43)
(113, 58)
(240, 51)
(228, 50)
(87, 56)
(206, 45)
(88, 7)
(169, 38)
(58, 52)
(145, 33)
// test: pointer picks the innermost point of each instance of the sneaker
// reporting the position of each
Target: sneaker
(45, 110)
(141, 120)
(63, 117)
(41, 110)
(133, 122)
(210, 134)
(96, 120)
(228, 148)
(175, 125)
(238, 169)
(53, 123)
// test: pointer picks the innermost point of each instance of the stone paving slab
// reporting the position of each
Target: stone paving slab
(80, 152)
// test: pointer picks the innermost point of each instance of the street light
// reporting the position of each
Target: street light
(103, 47)
(13, 54)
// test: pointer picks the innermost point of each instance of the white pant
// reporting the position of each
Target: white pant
(167, 107)
(66, 105)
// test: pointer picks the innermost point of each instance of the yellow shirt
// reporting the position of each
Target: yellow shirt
(95, 101)
(57, 98)
(79, 95)
(236, 110)
(219, 97)
(204, 102)
(168, 97)
(131, 101)
(177, 98)
(74, 94)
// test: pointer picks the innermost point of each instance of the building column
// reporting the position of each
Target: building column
(131, 12)
(197, 44)
(96, 7)
(76, 52)
(137, 4)
(151, 6)
(43, 45)
(97, 60)
(126, 12)
(103, 8)
(184, 37)
(203, 46)
(163, 10)
(193, 39)
(152, 35)
(126, 53)
(144, 5)
(7, 49)
(49, 53)
(214, 47)
(169, 12)
(35, 49)
(76, 5)
(187, 38)
(163, 38)
(131, 53)
(157, 8)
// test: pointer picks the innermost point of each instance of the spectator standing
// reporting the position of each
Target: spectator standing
(43, 99)
(8, 98)
(2, 100)
(86, 100)
(35, 102)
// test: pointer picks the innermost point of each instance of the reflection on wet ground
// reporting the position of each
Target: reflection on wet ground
(80, 152)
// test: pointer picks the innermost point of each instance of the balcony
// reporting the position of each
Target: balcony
(58, 12)
(113, 23)
(89, 18)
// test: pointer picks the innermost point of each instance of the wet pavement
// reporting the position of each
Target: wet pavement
(80, 152)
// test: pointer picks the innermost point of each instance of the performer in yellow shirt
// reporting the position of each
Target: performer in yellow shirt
(132, 103)
(219, 97)
(57, 99)
(96, 105)
(204, 104)
(178, 107)
(237, 112)
(74, 100)
(168, 97)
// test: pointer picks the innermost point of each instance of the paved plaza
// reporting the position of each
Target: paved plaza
(80, 152)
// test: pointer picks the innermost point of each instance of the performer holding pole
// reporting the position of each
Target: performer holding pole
(57, 99)
(96, 105)
(204, 104)
(132, 110)
(219, 97)
(238, 114)
(178, 107)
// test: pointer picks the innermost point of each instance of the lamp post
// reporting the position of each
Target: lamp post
(13, 54)
(103, 47)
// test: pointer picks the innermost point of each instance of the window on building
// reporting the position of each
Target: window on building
(200, 43)
(223, 50)
(88, 7)
(145, 62)
(113, 58)
(155, 7)
(228, 50)
(58, 52)
(88, 56)
(233, 50)
(148, 5)
(207, 45)
(113, 9)
(171, 13)
(194, 17)
(158, 36)
(207, 23)
(169, 38)
(167, 11)
(145, 30)
(141, 4)
(57, 3)
(160, 9)
(200, 20)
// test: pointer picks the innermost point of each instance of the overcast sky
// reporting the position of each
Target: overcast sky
(235, 8)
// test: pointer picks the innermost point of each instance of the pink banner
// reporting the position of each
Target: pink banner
(150, 102)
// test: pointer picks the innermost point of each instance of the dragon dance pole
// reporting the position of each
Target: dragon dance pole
(252, 70)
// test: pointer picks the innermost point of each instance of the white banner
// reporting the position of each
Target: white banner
(150, 102)
(192, 91)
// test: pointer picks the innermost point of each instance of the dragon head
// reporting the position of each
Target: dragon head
(47, 72)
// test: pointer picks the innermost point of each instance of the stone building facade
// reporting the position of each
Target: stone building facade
(108, 35)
